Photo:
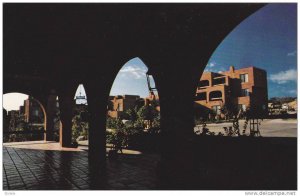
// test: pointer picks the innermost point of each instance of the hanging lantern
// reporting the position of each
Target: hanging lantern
(151, 89)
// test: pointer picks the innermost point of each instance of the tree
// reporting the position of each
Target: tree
(229, 110)
(131, 114)
(148, 113)
(5, 121)
(132, 131)
(114, 123)
(156, 124)
(79, 126)
(76, 127)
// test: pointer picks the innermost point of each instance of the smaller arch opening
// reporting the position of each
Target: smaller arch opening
(80, 123)
(24, 118)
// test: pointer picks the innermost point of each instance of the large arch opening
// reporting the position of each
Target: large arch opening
(24, 118)
(238, 78)
(133, 111)
(254, 66)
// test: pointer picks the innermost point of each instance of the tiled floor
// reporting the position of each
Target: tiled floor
(44, 169)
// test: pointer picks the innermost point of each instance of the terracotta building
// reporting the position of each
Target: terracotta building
(239, 88)
(32, 111)
(117, 105)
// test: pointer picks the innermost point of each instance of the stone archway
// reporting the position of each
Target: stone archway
(29, 112)
(134, 103)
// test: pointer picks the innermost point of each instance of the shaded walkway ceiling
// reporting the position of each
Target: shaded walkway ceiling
(49, 49)
(47, 44)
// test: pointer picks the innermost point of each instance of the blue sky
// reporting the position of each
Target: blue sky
(267, 39)
(131, 79)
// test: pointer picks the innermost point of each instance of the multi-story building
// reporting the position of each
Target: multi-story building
(117, 105)
(32, 112)
(240, 88)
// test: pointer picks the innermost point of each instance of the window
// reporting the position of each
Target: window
(216, 109)
(244, 78)
(201, 96)
(218, 81)
(215, 95)
(119, 107)
(203, 83)
(242, 107)
(244, 92)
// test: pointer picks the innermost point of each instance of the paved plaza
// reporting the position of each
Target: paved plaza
(268, 127)
(53, 168)
(40, 165)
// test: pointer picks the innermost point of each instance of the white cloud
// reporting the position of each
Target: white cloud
(212, 64)
(292, 53)
(292, 91)
(284, 76)
(214, 67)
(133, 71)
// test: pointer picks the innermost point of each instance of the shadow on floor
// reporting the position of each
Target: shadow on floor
(205, 163)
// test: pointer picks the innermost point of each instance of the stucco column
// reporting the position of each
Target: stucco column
(66, 103)
(97, 107)
(176, 95)
(51, 109)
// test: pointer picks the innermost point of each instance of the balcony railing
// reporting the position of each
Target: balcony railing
(219, 80)
(215, 98)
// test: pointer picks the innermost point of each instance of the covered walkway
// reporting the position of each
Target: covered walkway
(50, 167)
(64, 45)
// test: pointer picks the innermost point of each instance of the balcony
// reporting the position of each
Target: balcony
(201, 96)
(215, 95)
(219, 80)
(203, 84)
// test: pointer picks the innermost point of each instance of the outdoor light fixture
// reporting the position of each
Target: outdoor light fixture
(151, 89)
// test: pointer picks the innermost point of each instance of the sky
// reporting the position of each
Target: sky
(12, 101)
(132, 80)
(267, 39)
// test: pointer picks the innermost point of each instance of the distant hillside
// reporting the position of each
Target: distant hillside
(282, 99)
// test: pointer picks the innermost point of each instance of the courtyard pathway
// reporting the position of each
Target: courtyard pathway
(47, 166)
